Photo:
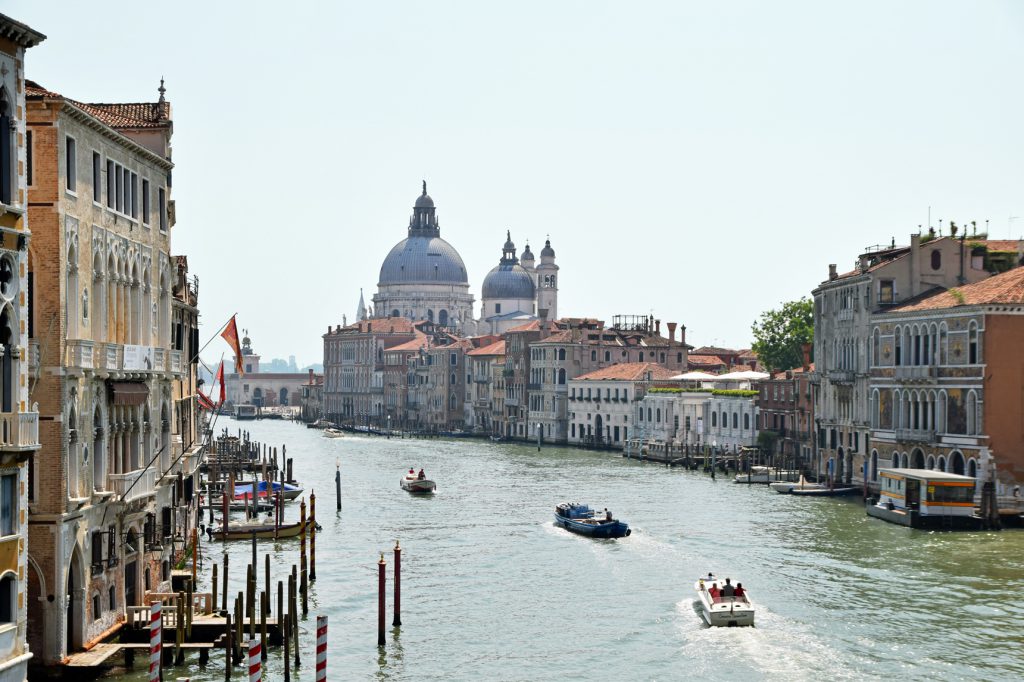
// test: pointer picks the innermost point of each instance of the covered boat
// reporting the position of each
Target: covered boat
(288, 490)
(333, 433)
(809, 489)
(723, 610)
(763, 474)
(412, 483)
(924, 498)
(580, 518)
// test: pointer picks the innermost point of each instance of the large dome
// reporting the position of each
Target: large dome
(508, 280)
(423, 260)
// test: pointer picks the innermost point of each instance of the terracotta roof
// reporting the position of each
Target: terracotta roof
(496, 348)
(381, 325)
(1004, 244)
(1006, 288)
(629, 371)
(126, 115)
(705, 360)
(714, 350)
(420, 341)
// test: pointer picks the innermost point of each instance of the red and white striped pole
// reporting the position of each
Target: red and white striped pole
(155, 632)
(321, 649)
(255, 661)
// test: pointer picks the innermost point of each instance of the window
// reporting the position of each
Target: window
(145, 213)
(607, 356)
(97, 548)
(111, 192)
(96, 607)
(28, 156)
(112, 592)
(593, 356)
(70, 163)
(8, 598)
(9, 504)
(972, 344)
(714, 419)
(161, 206)
(97, 178)
(936, 260)
(497, 308)
(886, 292)
(134, 212)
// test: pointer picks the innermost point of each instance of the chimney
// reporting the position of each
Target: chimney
(832, 274)
(682, 334)
(671, 331)
(753, 364)
(310, 376)
(657, 327)
(806, 348)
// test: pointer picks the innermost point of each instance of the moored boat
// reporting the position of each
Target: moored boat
(260, 529)
(924, 498)
(809, 489)
(723, 610)
(581, 519)
(412, 483)
(763, 474)
(288, 491)
(333, 433)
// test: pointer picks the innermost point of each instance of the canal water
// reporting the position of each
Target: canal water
(492, 590)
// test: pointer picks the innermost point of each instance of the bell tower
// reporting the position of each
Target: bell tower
(547, 282)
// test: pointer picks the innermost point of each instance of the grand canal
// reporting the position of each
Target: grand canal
(491, 590)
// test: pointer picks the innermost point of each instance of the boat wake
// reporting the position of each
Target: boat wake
(775, 647)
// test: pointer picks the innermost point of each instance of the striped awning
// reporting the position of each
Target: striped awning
(129, 392)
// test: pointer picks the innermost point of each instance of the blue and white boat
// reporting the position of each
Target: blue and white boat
(288, 492)
(580, 518)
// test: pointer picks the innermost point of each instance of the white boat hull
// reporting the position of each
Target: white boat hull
(418, 485)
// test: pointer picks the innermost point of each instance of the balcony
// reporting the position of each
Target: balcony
(918, 373)
(134, 484)
(915, 435)
(19, 430)
(840, 376)
(159, 360)
(534, 387)
(79, 354)
(177, 362)
(109, 356)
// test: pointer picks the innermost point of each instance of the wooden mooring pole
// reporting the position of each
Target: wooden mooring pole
(381, 565)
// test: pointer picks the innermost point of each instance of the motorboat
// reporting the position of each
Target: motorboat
(412, 483)
(809, 489)
(763, 474)
(333, 433)
(288, 491)
(718, 610)
(581, 519)
(260, 529)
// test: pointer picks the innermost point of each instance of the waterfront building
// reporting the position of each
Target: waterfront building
(259, 388)
(884, 276)
(438, 385)
(399, 363)
(354, 367)
(602, 402)
(20, 464)
(786, 409)
(311, 400)
(945, 382)
(513, 422)
(423, 276)
(730, 420)
(484, 363)
(113, 316)
(583, 345)
(676, 417)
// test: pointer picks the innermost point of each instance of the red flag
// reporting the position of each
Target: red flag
(230, 334)
(204, 402)
(220, 380)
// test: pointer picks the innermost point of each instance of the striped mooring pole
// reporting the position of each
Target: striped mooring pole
(155, 627)
(255, 661)
(321, 649)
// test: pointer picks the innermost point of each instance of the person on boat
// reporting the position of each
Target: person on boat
(412, 473)
(713, 593)
(728, 590)
(739, 593)
(422, 476)
(607, 514)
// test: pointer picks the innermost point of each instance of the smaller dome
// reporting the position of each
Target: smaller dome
(527, 254)
(508, 280)
(509, 246)
(424, 200)
(547, 251)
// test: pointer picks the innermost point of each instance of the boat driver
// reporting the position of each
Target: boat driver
(422, 475)
(727, 589)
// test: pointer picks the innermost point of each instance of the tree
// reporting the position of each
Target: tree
(779, 335)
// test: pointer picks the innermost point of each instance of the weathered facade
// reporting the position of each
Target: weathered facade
(603, 402)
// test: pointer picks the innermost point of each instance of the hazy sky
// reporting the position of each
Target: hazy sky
(701, 160)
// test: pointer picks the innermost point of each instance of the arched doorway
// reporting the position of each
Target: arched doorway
(257, 397)
(956, 463)
(598, 428)
(972, 468)
(283, 397)
(840, 465)
(940, 464)
(75, 616)
(917, 459)
(7, 339)
(37, 625)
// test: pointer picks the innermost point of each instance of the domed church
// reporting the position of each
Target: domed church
(423, 277)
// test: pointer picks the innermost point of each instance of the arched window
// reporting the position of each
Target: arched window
(972, 413)
(725, 420)
(895, 460)
(746, 421)
(98, 452)
(8, 598)
(394, 313)
(561, 354)
(735, 420)
(940, 463)
(442, 318)
(956, 463)
(641, 356)
(898, 342)
(608, 356)
(972, 467)
(8, 148)
(874, 465)
(657, 414)
(430, 314)
(714, 419)
(876, 345)
(936, 259)
(930, 462)
(561, 375)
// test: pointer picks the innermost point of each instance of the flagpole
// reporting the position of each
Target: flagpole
(215, 335)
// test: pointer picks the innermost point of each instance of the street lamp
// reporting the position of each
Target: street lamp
(538, 436)
(389, 427)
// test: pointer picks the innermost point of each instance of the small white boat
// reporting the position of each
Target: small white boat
(414, 484)
(762, 474)
(809, 489)
(720, 610)
(333, 433)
